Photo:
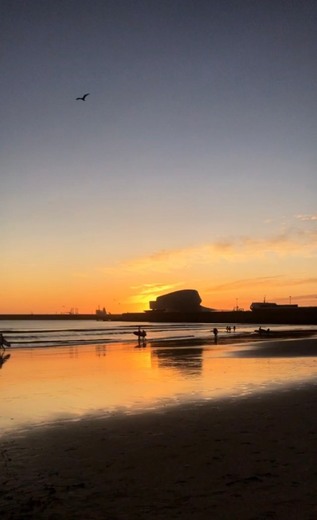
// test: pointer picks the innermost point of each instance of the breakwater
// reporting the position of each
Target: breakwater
(297, 316)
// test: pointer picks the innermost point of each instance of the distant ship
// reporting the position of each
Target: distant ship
(101, 314)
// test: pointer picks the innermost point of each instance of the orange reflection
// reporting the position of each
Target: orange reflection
(43, 385)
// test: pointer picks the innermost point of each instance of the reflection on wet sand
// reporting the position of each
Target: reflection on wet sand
(101, 350)
(187, 360)
(141, 344)
(179, 343)
(73, 352)
(44, 385)
(4, 358)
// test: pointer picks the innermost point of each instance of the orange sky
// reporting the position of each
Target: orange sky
(280, 268)
(190, 165)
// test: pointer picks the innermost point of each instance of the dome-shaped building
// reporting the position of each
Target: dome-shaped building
(186, 300)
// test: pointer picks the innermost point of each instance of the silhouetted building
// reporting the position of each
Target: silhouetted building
(186, 300)
(264, 306)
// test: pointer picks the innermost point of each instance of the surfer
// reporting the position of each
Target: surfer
(141, 334)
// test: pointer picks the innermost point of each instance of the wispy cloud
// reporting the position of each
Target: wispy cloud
(268, 281)
(244, 283)
(303, 297)
(238, 249)
(154, 288)
(144, 293)
(307, 218)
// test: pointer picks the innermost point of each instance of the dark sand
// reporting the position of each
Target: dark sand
(224, 338)
(251, 458)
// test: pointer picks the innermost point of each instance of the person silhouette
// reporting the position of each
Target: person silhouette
(3, 342)
(215, 331)
(141, 334)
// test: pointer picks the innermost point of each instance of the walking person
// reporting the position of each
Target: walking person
(141, 334)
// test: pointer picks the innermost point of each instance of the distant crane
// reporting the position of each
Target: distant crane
(82, 98)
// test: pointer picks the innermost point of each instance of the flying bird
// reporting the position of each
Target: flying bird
(82, 98)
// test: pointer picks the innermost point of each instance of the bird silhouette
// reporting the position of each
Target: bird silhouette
(82, 98)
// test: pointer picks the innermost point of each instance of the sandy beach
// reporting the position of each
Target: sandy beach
(249, 458)
(249, 455)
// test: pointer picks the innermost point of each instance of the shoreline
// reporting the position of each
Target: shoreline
(248, 458)
(223, 338)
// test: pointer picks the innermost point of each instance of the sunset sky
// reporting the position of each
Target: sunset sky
(191, 164)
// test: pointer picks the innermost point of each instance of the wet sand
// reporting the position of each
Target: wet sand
(225, 338)
(250, 458)
(274, 348)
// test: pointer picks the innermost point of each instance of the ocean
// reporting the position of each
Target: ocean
(69, 370)
(60, 333)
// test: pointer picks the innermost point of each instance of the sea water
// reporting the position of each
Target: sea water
(54, 333)
(67, 370)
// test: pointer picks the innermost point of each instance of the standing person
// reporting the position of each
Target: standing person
(215, 331)
(3, 342)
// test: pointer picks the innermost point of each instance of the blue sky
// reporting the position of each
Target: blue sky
(190, 165)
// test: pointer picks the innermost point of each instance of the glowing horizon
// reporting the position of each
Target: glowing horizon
(166, 271)
(191, 164)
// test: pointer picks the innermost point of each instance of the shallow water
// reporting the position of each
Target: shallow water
(42, 385)
(48, 333)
